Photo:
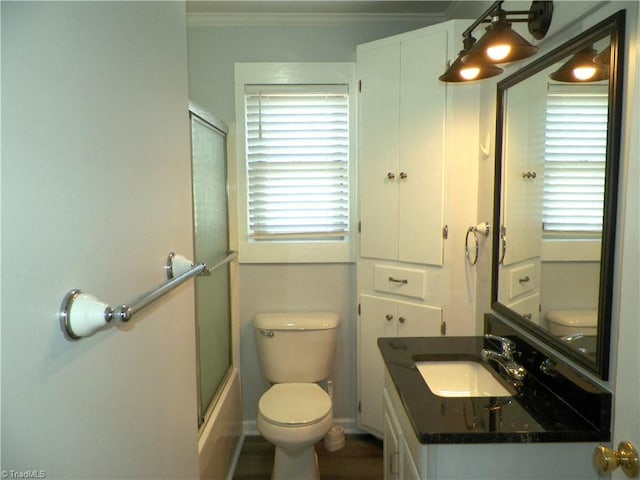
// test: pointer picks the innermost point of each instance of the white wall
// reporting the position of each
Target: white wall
(96, 192)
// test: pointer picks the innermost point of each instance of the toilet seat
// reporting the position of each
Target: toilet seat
(294, 404)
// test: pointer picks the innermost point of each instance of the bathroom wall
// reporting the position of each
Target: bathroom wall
(96, 191)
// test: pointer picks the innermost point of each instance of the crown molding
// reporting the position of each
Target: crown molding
(313, 20)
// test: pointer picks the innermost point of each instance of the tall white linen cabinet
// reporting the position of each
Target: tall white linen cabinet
(418, 161)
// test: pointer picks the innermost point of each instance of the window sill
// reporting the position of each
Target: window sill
(296, 252)
(571, 250)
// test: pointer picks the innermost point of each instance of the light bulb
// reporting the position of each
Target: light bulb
(584, 73)
(498, 52)
(469, 73)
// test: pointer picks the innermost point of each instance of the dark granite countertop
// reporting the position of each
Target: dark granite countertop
(535, 413)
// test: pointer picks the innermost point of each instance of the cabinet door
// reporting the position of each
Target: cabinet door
(391, 448)
(381, 317)
(379, 72)
(377, 319)
(523, 175)
(408, 470)
(422, 117)
(418, 320)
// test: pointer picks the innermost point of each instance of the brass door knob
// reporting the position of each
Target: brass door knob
(606, 459)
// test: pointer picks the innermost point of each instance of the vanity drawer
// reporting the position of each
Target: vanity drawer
(408, 282)
(522, 280)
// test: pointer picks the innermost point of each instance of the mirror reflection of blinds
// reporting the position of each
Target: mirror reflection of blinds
(297, 162)
(575, 155)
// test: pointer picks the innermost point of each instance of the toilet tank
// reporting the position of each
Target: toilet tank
(571, 322)
(296, 347)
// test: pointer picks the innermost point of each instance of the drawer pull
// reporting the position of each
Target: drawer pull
(524, 280)
(403, 281)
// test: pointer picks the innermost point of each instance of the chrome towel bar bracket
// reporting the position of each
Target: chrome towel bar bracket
(82, 314)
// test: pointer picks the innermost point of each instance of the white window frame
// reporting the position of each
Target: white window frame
(329, 251)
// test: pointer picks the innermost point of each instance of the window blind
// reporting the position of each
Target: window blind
(575, 154)
(297, 162)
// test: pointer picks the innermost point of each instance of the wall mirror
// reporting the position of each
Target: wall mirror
(557, 147)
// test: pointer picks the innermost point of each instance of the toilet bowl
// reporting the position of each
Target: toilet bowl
(294, 416)
(295, 352)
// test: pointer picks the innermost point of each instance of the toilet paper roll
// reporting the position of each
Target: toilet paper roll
(334, 439)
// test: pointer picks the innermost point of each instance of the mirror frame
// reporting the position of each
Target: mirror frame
(614, 26)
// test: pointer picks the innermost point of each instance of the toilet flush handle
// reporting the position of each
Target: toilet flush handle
(267, 333)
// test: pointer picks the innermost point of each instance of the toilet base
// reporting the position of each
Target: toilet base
(300, 464)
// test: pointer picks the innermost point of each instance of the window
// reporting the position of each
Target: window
(297, 162)
(575, 154)
(295, 127)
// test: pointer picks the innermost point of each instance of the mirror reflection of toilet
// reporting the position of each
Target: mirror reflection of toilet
(295, 350)
(572, 322)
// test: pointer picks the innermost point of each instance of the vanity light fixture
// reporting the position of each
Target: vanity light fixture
(464, 72)
(582, 67)
(501, 44)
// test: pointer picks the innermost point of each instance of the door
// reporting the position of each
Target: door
(377, 318)
(421, 149)
(627, 391)
(211, 245)
(380, 317)
(378, 71)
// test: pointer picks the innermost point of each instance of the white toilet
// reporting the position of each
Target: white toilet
(295, 351)
(563, 323)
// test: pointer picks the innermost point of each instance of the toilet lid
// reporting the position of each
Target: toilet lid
(294, 404)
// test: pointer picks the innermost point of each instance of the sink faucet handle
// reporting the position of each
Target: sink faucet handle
(506, 344)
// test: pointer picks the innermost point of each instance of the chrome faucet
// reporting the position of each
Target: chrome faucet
(505, 357)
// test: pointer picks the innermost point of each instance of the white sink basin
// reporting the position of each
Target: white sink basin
(460, 379)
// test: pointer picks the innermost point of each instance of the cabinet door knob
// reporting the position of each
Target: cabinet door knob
(606, 459)
(391, 175)
(389, 317)
(402, 319)
(403, 175)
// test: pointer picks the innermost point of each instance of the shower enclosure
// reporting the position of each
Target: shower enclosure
(211, 246)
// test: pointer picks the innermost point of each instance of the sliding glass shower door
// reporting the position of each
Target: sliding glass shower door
(211, 244)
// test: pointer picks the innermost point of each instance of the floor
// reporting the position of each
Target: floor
(361, 458)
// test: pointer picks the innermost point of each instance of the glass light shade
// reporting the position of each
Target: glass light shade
(461, 72)
(500, 44)
(581, 68)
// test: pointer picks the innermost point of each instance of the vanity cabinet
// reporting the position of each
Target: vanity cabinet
(408, 459)
(385, 317)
